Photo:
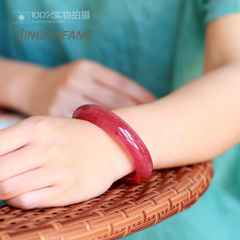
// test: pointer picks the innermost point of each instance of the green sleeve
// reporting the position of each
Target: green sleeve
(217, 8)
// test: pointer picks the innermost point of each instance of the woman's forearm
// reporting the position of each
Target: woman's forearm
(197, 122)
(15, 80)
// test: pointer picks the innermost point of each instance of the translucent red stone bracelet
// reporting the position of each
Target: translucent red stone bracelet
(126, 137)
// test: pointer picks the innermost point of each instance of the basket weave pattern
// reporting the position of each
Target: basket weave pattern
(122, 210)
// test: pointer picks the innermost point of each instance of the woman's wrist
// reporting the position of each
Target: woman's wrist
(105, 149)
(119, 130)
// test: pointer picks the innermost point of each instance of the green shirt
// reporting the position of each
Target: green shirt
(158, 43)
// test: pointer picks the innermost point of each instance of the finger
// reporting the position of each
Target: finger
(115, 81)
(40, 198)
(19, 161)
(119, 82)
(14, 137)
(25, 182)
(105, 96)
(90, 93)
(110, 99)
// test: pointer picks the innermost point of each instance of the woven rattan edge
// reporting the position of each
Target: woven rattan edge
(126, 221)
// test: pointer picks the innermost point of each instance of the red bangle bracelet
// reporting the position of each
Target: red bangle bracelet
(126, 137)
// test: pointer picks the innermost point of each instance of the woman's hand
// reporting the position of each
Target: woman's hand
(59, 91)
(52, 161)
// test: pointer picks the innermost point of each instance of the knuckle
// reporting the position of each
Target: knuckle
(83, 64)
(40, 123)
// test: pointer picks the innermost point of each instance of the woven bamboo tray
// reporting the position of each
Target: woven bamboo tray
(122, 210)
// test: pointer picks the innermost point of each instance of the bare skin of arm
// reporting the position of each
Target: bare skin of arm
(36, 90)
(197, 122)
(200, 120)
